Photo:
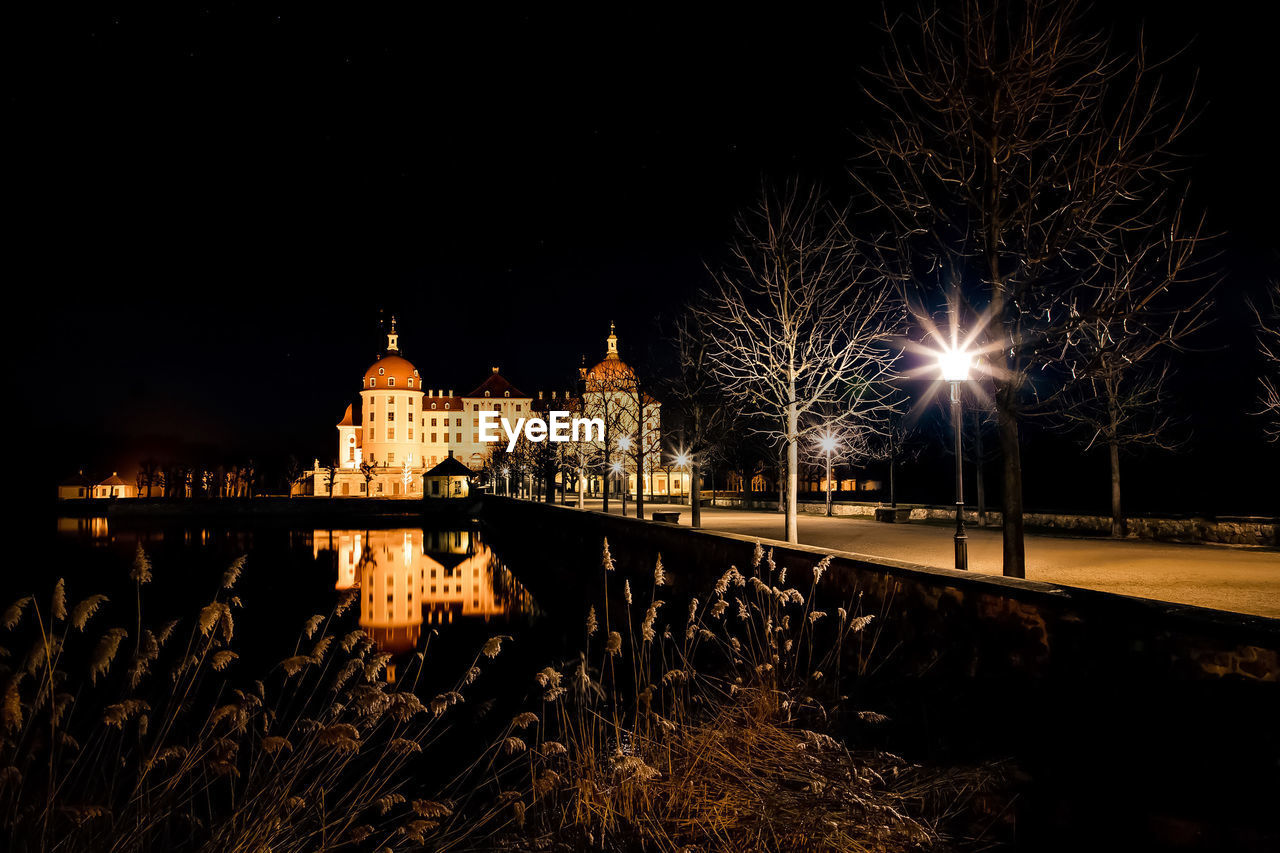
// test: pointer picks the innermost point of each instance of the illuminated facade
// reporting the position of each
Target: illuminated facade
(612, 392)
(409, 578)
(401, 428)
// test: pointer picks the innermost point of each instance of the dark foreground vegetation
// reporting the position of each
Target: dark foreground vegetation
(704, 723)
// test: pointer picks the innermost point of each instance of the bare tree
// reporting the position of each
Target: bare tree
(1118, 353)
(703, 409)
(292, 474)
(368, 470)
(1269, 345)
(609, 393)
(1022, 153)
(331, 476)
(792, 330)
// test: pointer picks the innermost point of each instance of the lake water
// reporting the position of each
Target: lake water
(441, 588)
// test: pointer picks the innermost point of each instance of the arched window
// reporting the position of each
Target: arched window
(506, 393)
(486, 393)
(373, 383)
(391, 382)
(433, 405)
(446, 405)
(381, 371)
(410, 381)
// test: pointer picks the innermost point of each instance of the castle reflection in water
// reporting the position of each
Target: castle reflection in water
(411, 578)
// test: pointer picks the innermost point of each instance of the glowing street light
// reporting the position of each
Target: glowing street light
(953, 364)
(682, 461)
(827, 442)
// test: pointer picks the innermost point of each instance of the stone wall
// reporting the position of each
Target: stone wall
(1230, 531)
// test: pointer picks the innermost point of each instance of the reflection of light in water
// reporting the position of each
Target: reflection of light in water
(95, 526)
(408, 578)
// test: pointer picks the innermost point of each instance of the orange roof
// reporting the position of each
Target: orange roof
(612, 374)
(497, 385)
(113, 480)
(392, 366)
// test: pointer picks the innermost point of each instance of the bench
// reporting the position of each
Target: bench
(668, 517)
(893, 515)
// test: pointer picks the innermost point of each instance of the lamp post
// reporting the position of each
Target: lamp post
(617, 469)
(506, 475)
(954, 364)
(624, 445)
(682, 461)
(828, 443)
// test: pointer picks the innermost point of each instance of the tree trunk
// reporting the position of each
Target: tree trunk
(793, 461)
(640, 476)
(695, 496)
(977, 470)
(893, 494)
(1117, 516)
(1014, 549)
(606, 475)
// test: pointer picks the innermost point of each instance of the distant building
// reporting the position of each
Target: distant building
(114, 487)
(449, 479)
(633, 440)
(401, 428)
(78, 487)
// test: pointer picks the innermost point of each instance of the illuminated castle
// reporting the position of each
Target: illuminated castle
(402, 429)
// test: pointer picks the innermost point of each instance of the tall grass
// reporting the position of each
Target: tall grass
(136, 739)
(705, 728)
(705, 725)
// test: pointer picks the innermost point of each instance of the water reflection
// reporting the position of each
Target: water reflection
(411, 578)
(91, 527)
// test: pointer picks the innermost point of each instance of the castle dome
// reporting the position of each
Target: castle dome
(611, 374)
(392, 370)
(392, 367)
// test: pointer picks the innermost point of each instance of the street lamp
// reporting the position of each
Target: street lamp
(682, 461)
(624, 445)
(617, 469)
(954, 366)
(828, 442)
(506, 474)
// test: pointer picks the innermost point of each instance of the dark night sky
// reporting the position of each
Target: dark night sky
(210, 206)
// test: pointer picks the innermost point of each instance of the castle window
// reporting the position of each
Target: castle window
(433, 439)
(381, 371)
(391, 381)
(433, 405)
(391, 436)
(391, 401)
(373, 383)
(506, 393)
(391, 457)
(411, 433)
(391, 416)
(410, 382)
(446, 405)
(517, 407)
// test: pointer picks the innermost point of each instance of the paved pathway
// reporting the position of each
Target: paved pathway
(1246, 580)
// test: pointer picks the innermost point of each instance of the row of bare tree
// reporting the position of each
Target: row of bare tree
(1027, 176)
